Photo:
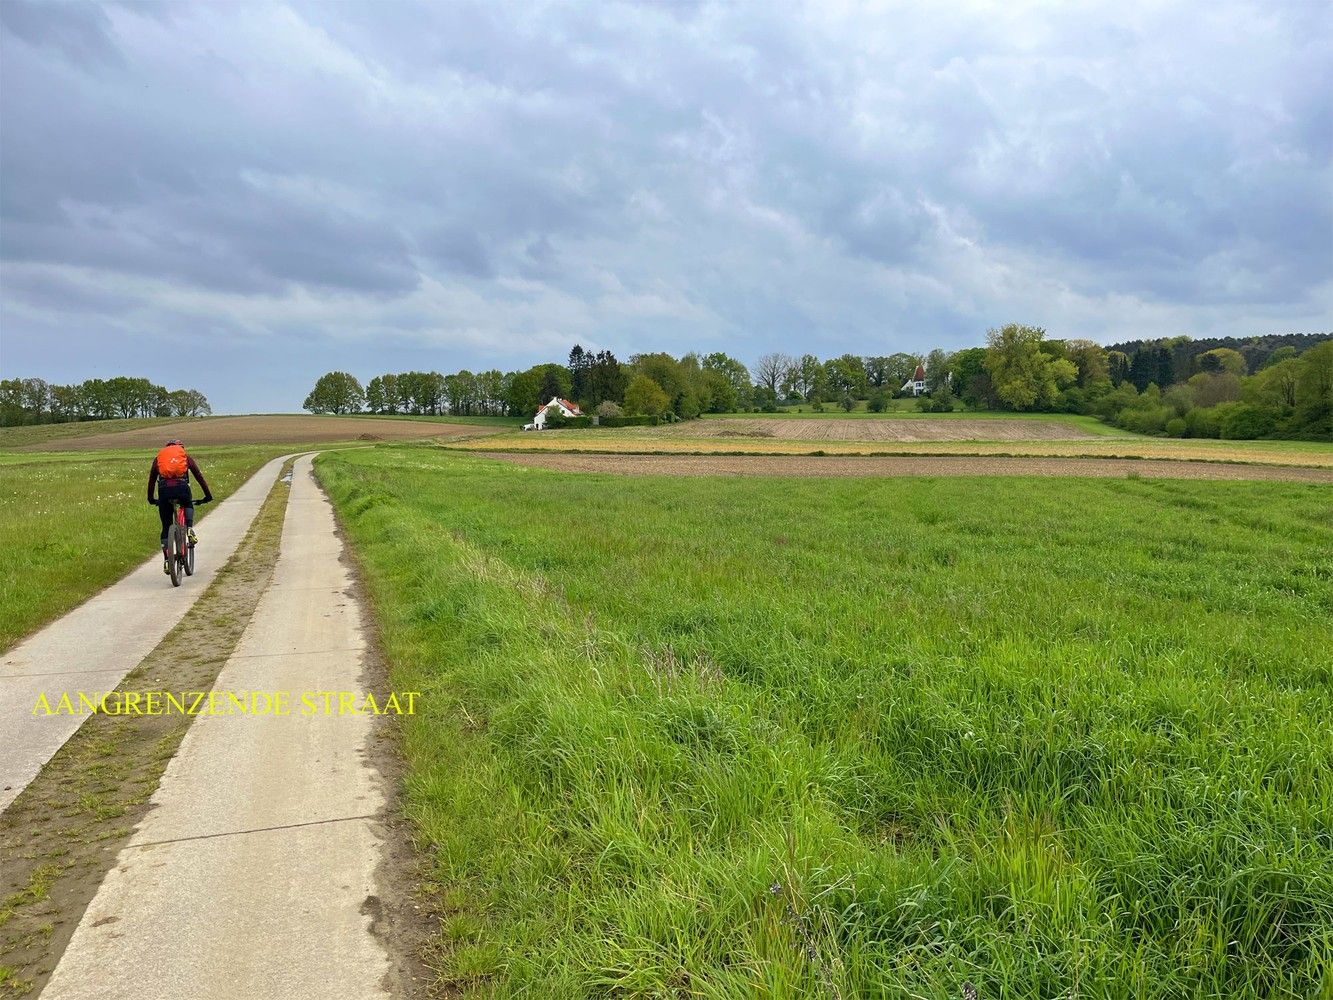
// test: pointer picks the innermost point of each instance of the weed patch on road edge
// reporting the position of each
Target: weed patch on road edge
(406, 913)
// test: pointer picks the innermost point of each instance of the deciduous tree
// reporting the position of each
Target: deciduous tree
(938, 371)
(737, 377)
(772, 370)
(846, 374)
(336, 392)
(1025, 377)
(645, 397)
(806, 376)
(969, 365)
(901, 367)
(188, 403)
(1280, 382)
(1222, 360)
(1090, 360)
(877, 372)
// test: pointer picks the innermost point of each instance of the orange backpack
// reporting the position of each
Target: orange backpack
(172, 463)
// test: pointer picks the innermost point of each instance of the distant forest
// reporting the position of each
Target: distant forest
(1256, 351)
(1276, 386)
(35, 401)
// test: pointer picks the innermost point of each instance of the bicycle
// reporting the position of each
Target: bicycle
(180, 550)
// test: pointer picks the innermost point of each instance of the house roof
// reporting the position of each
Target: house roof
(573, 408)
(920, 375)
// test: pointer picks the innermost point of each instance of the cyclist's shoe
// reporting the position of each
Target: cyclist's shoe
(166, 566)
(193, 538)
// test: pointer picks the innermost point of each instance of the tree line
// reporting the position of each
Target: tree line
(654, 384)
(648, 385)
(1285, 390)
(1185, 352)
(34, 401)
(1279, 387)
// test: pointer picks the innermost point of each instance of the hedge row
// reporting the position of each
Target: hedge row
(558, 421)
(630, 421)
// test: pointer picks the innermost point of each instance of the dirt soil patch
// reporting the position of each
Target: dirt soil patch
(624, 442)
(266, 430)
(885, 429)
(925, 465)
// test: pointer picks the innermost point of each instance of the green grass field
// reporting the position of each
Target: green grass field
(735, 738)
(72, 523)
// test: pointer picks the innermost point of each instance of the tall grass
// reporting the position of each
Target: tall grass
(735, 738)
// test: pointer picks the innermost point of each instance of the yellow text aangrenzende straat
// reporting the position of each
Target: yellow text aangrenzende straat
(278, 703)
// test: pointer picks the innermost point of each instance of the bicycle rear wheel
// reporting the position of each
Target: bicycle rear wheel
(177, 542)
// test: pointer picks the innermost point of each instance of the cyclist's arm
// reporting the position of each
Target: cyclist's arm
(194, 468)
(152, 480)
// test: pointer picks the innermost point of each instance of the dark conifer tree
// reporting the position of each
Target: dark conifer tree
(1142, 368)
(580, 364)
(550, 387)
(1166, 369)
(605, 379)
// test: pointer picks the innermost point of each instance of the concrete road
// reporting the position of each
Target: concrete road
(93, 647)
(253, 874)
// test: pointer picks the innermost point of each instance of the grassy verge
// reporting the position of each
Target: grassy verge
(633, 441)
(72, 523)
(66, 827)
(782, 737)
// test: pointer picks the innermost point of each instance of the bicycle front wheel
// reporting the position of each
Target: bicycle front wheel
(177, 546)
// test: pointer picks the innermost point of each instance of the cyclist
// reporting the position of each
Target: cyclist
(170, 473)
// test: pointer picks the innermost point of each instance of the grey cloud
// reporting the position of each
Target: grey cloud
(55, 290)
(489, 179)
(78, 30)
(459, 250)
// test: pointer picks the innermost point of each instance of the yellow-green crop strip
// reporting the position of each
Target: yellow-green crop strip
(720, 737)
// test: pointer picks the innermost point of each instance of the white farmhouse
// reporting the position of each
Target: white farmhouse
(916, 385)
(562, 406)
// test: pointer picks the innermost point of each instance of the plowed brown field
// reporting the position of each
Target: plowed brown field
(886, 429)
(925, 465)
(299, 429)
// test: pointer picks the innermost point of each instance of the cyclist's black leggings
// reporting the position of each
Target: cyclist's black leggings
(166, 494)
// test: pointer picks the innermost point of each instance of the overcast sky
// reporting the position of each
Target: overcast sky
(238, 198)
